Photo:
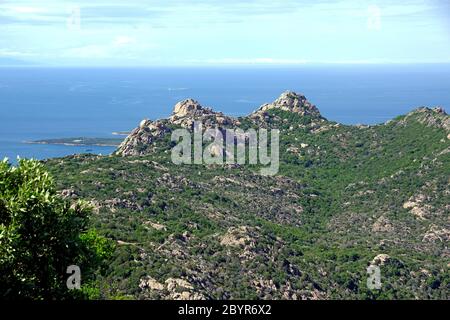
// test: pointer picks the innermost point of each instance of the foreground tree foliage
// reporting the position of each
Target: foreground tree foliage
(41, 234)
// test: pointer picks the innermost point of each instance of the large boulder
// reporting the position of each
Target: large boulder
(188, 107)
(293, 102)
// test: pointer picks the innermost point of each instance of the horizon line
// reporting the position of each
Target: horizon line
(215, 65)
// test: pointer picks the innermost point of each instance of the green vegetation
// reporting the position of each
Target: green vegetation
(344, 195)
(41, 235)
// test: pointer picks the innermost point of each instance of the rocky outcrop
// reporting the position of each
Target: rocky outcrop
(188, 111)
(431, 117)
(172, 288)
(187, 107)
(382, 225)
(418, 207)
(380, 260)
(290, 101)
(148, 283)
(236, 237)
(436, 234)
(142, 140)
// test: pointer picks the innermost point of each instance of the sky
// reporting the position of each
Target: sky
(223, 32)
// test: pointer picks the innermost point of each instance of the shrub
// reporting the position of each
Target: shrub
(41, 235)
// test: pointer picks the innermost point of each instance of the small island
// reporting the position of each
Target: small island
(82, 141)
(121, 133)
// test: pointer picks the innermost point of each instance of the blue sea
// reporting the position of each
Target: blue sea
(45, 103)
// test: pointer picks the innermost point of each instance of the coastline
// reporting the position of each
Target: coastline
(79, 142)
(71, 144)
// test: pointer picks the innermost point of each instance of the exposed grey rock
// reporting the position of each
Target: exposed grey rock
(142, 137)
(185, 113)
(380, 260)
(432, 117)
(290, 101)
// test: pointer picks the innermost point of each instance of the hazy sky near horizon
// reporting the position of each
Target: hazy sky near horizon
(223, 32)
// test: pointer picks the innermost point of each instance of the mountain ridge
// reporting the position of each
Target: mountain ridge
(189, 110)
(345, 198)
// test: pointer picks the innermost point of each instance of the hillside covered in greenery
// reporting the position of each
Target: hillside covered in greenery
(345, 197)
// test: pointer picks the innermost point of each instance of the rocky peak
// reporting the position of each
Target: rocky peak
(188, 107)
(187, 111)
(433, 110)
(439, 110)
(142, 139)
(433, 117)
(293, 102)
(290, 100)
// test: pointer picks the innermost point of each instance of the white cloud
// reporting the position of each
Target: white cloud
(211, 32)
